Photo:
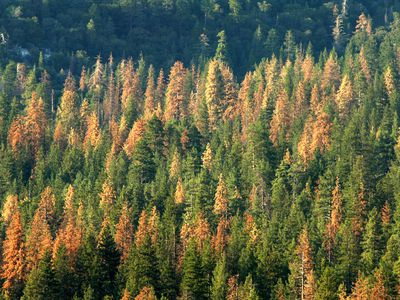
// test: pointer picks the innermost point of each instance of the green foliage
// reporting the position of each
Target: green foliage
(281, 137)
(42, 282)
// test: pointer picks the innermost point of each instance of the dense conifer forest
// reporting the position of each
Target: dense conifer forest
(214, 149)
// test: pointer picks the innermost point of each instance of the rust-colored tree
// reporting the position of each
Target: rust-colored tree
(220, 239)
(126, 295)
(124, 233)
(385, 214)
(82, 80)
(39, 240)
(360, 289)
(233, 288)
(35, 122)
(16, 135)
(379, 291)
(69, 233)
(146, 293)
(14, 261)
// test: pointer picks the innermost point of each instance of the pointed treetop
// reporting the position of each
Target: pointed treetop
(221, 52)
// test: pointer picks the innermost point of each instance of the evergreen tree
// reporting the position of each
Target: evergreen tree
(222, 52)
(143, 267)
(219, 281)
(109, 259)
(42, 282)
(193, 284)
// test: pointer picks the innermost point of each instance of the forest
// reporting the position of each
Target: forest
(140, 160)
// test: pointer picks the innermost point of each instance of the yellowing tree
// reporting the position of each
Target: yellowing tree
(331, 74)
(304, 145)
(153, 225)
(159, 95)
(364, 65)
(179, 193)
(96, 78)
(244, 103)
(107, 197)
(230, 93)
(333, 224)
(175, 168)
(82, 80)
(321, 133)
(93, 133)
(207, 157)
(300, 106)
(307, 68)
(175, 106)
(9, 208)
(221, 198)
(127, 87)
(135, 135)
(150, 101)
(389, 81)
(141, 231)
(67, 113)
(344, 96)
(214, 94)
(364, 24)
